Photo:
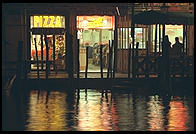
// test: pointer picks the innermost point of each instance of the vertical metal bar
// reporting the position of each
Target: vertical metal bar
(136, 59)
(42, 53)
(155, 42)
(186, 40)
(37, 58)
(119, 47)
(147, 60)
(147, 48)
(78, 57)
(86, 70)
(159, 38)
(133, 61)
(47, 52)
(112, 48)
(122, 49)
(133, 40)
(129, 58)
(109, 58)
(163, 35)
(65, 47)
(183, 39)
(128, 37)
(184, 45)
(101, 61)
(28, 42)
(128, 48)
(54, 67)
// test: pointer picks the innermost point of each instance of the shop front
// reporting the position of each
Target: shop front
(47, 42)
(94, 32)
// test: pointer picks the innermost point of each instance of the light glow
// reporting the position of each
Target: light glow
(47, 21)
(95, 22)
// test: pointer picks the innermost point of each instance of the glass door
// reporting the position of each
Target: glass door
(56, 52)
(93, 39)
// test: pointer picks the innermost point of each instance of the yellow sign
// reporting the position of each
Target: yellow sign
(95, 22)
(48, 22)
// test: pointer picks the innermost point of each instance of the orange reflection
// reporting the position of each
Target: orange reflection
(105, 115)
(156, 119)
(93, 116)
(48, 116)
(115, 117)
(177, 116)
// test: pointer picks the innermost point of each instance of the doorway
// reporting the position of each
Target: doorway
(56, 52)
(47, 43)
(93, 39)
(94, 34)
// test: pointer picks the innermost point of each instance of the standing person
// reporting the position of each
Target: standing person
(59, 62)
(166, 46)
(177, 47)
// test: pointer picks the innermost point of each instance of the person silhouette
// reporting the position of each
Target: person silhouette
(177, 47)
(59, 62)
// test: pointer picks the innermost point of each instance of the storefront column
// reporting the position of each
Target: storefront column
(115, 45)
(28, 59)
(69, 48)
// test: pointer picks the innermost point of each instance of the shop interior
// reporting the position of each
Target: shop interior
(59, 51)
(94, 31)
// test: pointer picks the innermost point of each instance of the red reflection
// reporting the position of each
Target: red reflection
(115, 117)
(177, 116)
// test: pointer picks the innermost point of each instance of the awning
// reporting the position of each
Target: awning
(157, 17)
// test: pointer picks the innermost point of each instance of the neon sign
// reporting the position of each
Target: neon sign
(95, 22)
(47, 21)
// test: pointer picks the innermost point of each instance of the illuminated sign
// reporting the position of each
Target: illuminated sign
(47, 21)
(95, 22)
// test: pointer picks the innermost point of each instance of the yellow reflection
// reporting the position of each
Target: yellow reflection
(93, 116)
(156, 119)
(47, 116)
(177, 116)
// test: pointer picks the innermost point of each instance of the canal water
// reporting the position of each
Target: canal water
(96, 110)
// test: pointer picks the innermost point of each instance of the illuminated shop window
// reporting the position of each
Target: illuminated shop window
(53, 26)
(59, 48)
(172, 31)
(124, 37)
(43, 21)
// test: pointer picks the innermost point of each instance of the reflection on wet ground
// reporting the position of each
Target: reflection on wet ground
(97, 110)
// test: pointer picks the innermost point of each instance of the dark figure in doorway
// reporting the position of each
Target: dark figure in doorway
(177, 48)
(90, 52)
(59, 63)
(166, 46)
(95, 54)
